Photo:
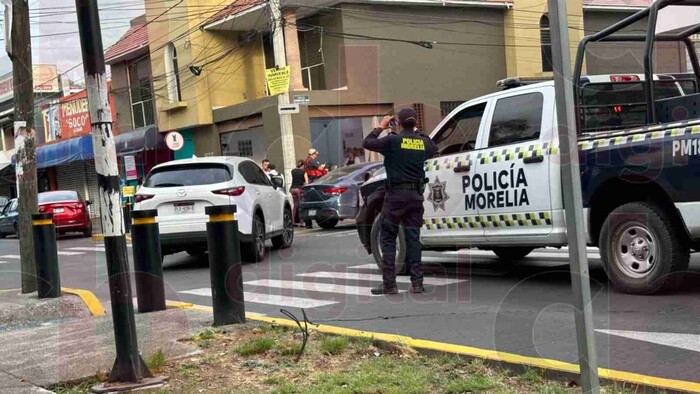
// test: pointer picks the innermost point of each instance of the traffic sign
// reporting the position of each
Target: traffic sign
(175, 141)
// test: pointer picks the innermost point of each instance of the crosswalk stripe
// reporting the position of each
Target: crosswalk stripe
(64, 253)
(11, 256)
(336, 233)
(540, 253)
(369, 266)
(4, 262)
(378, 278)
(270, 299)
(88, 249)
(312, 286)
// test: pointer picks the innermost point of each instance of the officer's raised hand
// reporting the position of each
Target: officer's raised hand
(386, 122)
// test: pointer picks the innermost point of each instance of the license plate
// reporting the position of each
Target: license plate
(58, 210)
(184, 209)
(312, 212)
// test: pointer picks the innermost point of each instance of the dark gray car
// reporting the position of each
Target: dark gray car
(334, 197)
(9, 219)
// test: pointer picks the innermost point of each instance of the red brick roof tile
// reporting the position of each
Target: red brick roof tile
(235, 7)
(135, 38)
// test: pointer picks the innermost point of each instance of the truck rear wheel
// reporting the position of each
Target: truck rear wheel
(377, 250)
(512, 253)
(642, 250)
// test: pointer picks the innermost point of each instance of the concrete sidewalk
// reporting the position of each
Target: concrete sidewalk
(78, 349)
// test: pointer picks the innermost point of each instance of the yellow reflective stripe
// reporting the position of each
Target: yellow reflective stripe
(226, 217)
(138, 221)
(43, 222)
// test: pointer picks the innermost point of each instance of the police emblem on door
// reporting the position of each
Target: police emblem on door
(438, 194)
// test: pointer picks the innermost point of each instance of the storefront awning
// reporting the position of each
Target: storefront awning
(139, 140)
(76, 149)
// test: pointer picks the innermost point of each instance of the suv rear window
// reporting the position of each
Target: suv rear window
(57, 196)
(189, 175)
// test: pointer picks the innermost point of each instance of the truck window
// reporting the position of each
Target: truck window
(516, 119)
(459, 133)
(614, 106)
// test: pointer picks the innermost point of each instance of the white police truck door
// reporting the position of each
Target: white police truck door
(447, 221)
(512, 184)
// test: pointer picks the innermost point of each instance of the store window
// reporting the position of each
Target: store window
(248, 143)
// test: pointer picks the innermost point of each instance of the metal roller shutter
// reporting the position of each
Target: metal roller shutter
(81, 177)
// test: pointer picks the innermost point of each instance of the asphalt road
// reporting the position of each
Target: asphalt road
(472, 299)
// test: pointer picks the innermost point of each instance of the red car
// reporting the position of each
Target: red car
(70, 213)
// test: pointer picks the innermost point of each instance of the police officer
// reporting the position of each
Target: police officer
(404, 157)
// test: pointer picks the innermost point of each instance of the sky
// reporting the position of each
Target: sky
(57, 17)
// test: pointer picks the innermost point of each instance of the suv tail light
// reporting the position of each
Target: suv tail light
(143, 197)
(334, 191)
(624, 78)
(233, 192)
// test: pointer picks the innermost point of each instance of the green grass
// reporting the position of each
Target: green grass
(334, 346)
(156, 361)
(471, 384)
(552, 388)
(256, 346)
(205, 335)
(362, 342)
(289, 348)
(532, 375)
(83, 387)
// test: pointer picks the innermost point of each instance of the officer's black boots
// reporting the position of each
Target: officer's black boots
(417, 287)
(382, 289)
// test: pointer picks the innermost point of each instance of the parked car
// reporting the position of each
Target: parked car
(181, 190)
(70, 211)
(3, 201)
(8, 219)
(335, 196)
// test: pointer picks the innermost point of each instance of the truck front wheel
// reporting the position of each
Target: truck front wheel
(641, 249)
(377, 250)
(512, 253)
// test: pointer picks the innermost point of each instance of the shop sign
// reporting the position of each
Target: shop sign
(132, 173)
(74, 115)
(304, 100)
(278, 80)
(45, 81)
(175, 141)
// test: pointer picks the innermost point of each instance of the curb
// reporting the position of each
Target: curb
(101, 237)
(90, 300)
(490, 355)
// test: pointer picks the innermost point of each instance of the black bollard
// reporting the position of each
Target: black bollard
(148, 261)
(225, 265)
(126, 211)
(48, 277)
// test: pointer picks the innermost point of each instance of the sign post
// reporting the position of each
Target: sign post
(571, 191)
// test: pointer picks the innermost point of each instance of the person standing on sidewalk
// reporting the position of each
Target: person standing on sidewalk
(299, 179)
(404, 158)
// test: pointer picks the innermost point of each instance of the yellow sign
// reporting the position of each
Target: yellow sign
(129, 191)
(278, 80)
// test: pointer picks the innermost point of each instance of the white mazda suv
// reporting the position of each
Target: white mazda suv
(181, 190)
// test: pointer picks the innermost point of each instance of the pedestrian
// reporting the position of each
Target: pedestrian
(404, 158)
(313, 167)
(266, 167)
(353, 158)
(299, 179)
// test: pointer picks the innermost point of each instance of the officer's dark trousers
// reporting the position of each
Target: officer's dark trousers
(402, 208)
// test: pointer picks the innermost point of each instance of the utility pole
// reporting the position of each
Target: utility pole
(20, 52)
(128, 367)
(286, 128)
(571, 191)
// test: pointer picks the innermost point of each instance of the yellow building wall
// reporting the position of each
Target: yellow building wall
(225, 80)
(521, 24)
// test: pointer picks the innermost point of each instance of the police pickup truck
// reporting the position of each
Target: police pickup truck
(495, 184)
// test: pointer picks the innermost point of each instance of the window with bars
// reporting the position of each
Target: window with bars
(448, 106)
(312, 62)
(141, 93)
(418, 107)
(546, 44)
(245, 148)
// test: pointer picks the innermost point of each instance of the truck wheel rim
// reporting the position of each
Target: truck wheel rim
(635, 250)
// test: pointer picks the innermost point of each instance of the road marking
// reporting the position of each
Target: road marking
(681, 341)
(378, 278)
(11, 257)
(369, 266)
(4, 262)
(64, 253)
(270, 299)
(88, 249)
(336, 233)
(313, 286)
(540, 253)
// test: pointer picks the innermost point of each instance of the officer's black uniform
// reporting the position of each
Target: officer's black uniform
(404, 158)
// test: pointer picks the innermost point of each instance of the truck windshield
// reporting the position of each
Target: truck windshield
(614, 106)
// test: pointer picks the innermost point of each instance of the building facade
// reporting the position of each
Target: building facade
(352, 63)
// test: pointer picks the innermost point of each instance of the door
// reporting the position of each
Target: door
(5, 224)
(9, 217)
(450, 218)
(263, 193)
(512, 182)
